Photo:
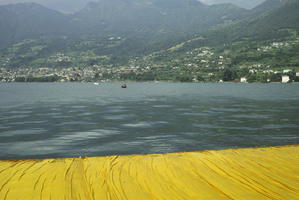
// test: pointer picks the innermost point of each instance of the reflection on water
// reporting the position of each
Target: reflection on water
(67, 120)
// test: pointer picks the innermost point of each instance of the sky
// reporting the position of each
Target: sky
(69, 6)
(241, 3)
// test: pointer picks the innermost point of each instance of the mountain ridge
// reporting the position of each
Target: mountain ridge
(105, 41)
(147, 18)
(27, 20)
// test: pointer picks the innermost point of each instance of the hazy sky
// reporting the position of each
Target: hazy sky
(73, 5)
(241, 3)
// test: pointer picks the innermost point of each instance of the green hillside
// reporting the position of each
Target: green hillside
(30, 20)
(151, 20)
(261, 44)
(112, 29)
(258, 44)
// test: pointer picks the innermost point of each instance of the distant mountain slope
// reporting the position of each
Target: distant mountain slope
(284, 17)
(27, 20)
(153, 18)
(117, 31)
(267, 5)
(65, 6)
(275, 22)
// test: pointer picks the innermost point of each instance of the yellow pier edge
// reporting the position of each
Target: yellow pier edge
(249, 174)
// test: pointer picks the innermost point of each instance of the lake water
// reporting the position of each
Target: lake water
(50, 120)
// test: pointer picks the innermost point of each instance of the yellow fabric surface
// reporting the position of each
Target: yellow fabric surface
(262, 173)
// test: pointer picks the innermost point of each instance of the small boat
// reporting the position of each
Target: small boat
(96, 83)
(124, 86)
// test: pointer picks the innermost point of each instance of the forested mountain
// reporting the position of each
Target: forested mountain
(267, 6)
(148, 19)
(262, 44)
(153, 18)
(116, 29)
(281, 19)
(273, 19)
(71, 6)
(117, 32)
(65, 6)
(30, 20)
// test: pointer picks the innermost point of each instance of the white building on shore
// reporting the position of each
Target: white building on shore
(285, 79)
(243, 80)
(287, 71)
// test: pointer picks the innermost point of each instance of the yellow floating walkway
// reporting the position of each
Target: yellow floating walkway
(249, 174)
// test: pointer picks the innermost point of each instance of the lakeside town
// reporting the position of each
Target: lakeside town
(109, 73)
(241, 62)
(246, 62)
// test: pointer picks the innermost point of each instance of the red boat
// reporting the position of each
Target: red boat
(124, 86)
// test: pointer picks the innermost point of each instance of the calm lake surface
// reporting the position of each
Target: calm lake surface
(47, 120)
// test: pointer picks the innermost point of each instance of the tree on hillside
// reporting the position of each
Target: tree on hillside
(229, 75)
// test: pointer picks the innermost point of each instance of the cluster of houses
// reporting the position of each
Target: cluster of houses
(105, 73)
(286, 77)
(67, 74)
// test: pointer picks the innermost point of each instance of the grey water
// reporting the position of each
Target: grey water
(56, 120)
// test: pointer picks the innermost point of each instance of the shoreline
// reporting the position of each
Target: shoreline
(131, 81)
(157, 154)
